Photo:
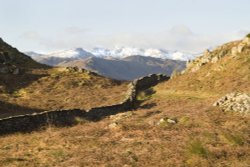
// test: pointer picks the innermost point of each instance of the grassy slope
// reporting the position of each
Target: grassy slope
(203, 136)
(39, 87)
(57, 89)
(227, 75)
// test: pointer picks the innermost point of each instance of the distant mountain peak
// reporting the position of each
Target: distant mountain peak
(117, 53)
(71, 53)
(121, 52)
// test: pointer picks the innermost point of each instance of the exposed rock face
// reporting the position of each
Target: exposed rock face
(9, 69)
(237, 102)
(6, 67)
(240, 47)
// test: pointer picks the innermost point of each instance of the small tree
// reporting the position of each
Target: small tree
(248, 35)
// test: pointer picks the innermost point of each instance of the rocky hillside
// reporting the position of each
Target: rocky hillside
(223, 70)
(10, 55)
(128, 68)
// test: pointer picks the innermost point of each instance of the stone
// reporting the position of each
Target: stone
(121, 116)
(73, 69)
(16, 71)
(113, 125)
(240, 48)
(236, 102)
(196, 68)
(207, 52)
(214, 59)
(246, 40)
(234, 51)
(172, 121)
(167, 120)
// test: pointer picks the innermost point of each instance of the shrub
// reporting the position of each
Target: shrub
(248, 35)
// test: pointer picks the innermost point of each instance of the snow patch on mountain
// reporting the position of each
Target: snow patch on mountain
(72, 53)
(117, 53)
(128, 51)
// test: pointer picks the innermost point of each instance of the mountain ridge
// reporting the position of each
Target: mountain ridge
(128, 68)
(118, 53)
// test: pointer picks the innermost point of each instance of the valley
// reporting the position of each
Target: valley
(174, 122)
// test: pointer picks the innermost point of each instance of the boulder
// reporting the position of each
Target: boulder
(113, 125)
(214, 59)
(236, 102)
(166, 120)
(234, 51)
(246, 40)
(16, 71)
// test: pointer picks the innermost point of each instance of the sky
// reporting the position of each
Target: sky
(184, 25)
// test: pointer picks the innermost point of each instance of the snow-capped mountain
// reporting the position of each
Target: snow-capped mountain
(117, 53)
(62, 56)
(119, 63)
(72, 53)
(129, 51)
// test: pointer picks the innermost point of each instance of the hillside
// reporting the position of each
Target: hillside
(36, 87)
(173, 124)
(223, 70)
(128, 68)
(14, 57)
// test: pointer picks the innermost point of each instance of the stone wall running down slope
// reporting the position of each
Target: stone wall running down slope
(31, 122)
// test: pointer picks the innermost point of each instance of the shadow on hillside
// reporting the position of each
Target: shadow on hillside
(148, 106)
(12, 83)
(7, 110)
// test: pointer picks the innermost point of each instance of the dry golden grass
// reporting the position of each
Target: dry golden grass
(203, 136)
(55, 88)
(227, 75)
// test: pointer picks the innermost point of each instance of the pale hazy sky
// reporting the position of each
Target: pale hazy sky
(185, 25)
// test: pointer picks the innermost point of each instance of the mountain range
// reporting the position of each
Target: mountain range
(120, 63)
(118, 52)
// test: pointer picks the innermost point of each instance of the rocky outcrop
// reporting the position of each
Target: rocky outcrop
(241, 47)
(9, 69)
(230, 49)
(6, 67)
(236, 102)
(27, 123)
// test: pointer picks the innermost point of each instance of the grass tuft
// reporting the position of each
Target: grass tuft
(197, 148)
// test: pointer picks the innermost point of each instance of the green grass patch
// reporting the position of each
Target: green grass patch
(196, 148)
(234, 139)
(58, 154)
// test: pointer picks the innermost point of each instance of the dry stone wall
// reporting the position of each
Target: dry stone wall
(31, 122)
